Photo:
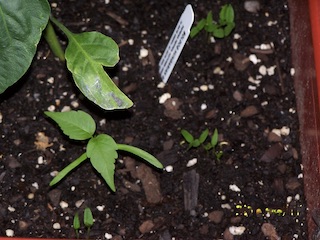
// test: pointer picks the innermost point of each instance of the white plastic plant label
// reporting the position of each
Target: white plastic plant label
(176, 43)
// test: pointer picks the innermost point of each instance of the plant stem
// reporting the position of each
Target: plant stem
(52, 40)
(67, 169)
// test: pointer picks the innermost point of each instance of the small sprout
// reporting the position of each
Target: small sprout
(220, 29)
(87, 217)
(212, 145)
(76, 224)
(88, 220)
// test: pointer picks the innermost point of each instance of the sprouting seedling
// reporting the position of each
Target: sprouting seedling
(87, 220)
(194, 142)
(76, 224)
(219, 29)
(101, 149)
(213, 145)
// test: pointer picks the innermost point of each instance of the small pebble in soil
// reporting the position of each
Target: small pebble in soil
(51, 108)
(50, 80)
(237, 230)
(192, 162)
(56, 226)
(63, 204)
(9, 233)
(1, 117)
(234, 188)
(203, 106)
(101, 208)
(79, 203)
(164, 97)
(252, 6)
(161, 85)
(143, 53)
(169, 168)
(108, 236)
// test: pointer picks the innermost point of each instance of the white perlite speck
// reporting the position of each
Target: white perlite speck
(56, 226)
(63, 204)
(169, 168)
(108, 236)
(101, 208)
(237, 230)
(192, 162)
(143, 53)
(234, 188)
(164, 97)
(9, 233)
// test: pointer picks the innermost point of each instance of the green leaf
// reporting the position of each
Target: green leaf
(219, 33)
(209, 18)
(196, 143)
(141, 153)
(227, 13)
(228, 29)
(77, 125)
(76, 222)
(68, 169)
(187, 136)
(214, 138)
(87, 217)
(204, 136)
(196, 29)
(86, 54)
(21, 24)
(102, 151)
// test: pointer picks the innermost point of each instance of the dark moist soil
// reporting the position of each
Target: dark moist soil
(213, 85)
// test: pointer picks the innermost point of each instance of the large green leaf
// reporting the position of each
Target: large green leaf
(21, 24)
(102, 151)
(86, 54)
(77, 125)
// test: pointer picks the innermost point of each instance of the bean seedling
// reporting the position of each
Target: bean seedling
(220, 29)
(101, 149)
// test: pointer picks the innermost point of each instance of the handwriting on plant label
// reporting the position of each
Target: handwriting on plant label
(176, 43)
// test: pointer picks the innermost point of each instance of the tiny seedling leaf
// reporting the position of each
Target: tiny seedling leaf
(227, 13)
(102, 151)
(196, 143)
(68, 169)
(77, 125)
(141, 153)
(87, 217)
(187, 136)
(203, 136)
(214, 138)
(76, 222)
(219, 33)
(196, 29)
(228, 28)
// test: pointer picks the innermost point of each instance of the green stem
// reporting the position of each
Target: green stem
(52, 40)
(62, 27)
(68, 169)
(140, 153)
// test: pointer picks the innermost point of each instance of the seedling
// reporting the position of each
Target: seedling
(197, 142)
(101, 149)
(194, 142)
(220, 29)
(87, 220)
(86, 54)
